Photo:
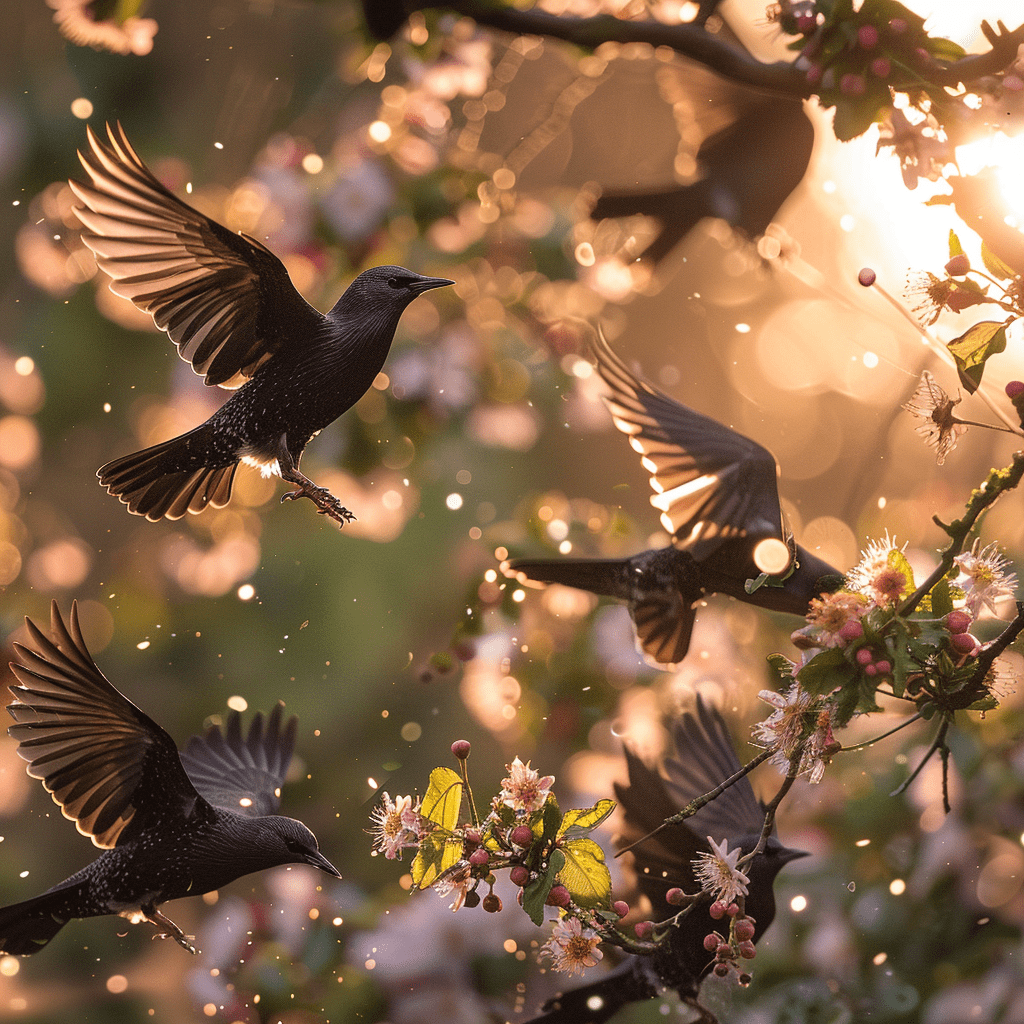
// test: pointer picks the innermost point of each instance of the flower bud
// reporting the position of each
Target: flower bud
(744, 929)
(1012, 83)
(867, 277)
(711, 941)
(871, 670)
(643, 929)
(864, 657)
(747, 950)
(958, 265)
(492, 903)
(479, 857)
(473, 836)
(717, 909)
(813, 74)
(883, 667)
(964, 643)
(461, 748)
(881, 67)
(472, 899)
(675, 896)
(732, 910)
(621, 907)
(721, 970)
(558, 897)
(853, 85)
(521, 835)
(958, 621)
(851, 630)
(867, 37)
(897, 26)
(519, 875)
(723, 951)
(1014, 388)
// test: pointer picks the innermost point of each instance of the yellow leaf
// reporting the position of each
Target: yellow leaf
(443, 800)
(585, 874)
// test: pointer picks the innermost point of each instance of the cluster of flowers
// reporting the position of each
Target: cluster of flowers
(857, 642)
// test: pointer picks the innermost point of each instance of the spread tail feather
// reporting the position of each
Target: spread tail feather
(170, 479)
(28, 926)
(607, 577)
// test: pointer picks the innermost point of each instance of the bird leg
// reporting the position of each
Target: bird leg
(327, 504)
(168, 929)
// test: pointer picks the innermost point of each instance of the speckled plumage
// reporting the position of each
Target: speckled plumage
(170, 825)
(227, 303)
(719, 498)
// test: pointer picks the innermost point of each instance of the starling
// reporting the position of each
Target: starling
(703, 759)
(170, 825)
(719, 499)
(227, 303)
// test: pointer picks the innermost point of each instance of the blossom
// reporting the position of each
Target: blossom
(881, 573)
(524, 789)
(717, 872)
(572, 949)
(941, 429)
(76, 21)
(395, 826)
(826, 616)
(987, 579)
(787, 726)
(456, 880)
(934, 294)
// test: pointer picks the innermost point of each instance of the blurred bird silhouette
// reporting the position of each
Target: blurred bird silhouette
(719, 498)
(227, 303)
(703, 759)
(170, 826)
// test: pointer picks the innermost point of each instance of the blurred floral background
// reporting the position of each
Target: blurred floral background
(478, 155)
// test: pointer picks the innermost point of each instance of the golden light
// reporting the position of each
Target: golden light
(1006, 156)
(772, 556)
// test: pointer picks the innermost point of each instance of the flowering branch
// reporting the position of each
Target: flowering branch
(795, 768)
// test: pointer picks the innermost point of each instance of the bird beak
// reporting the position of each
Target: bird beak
(787, 855)
(318, 860)
(424, 284)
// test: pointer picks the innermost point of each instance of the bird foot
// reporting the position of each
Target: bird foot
(326, 503)
(169, 930)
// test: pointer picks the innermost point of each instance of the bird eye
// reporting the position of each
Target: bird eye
(395, 282)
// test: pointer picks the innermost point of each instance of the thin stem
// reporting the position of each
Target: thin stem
(469, 792)
(695, 805)
(773, 806)
(885, 735)
(938, 743)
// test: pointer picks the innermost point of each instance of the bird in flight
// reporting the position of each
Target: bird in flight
(170, 824)
(718, 494)
(702, 760)
(227, 303)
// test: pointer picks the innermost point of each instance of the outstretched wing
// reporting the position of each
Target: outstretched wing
(242, 774)
(225, 300)
(711, 483)
(110, 767)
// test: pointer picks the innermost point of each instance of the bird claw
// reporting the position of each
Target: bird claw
(169, 930)
(327, 504)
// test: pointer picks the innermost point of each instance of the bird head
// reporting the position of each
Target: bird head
(383, 292)
(287, 841)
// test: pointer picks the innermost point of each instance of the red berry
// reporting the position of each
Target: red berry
(864, 657)
(867, 37)
(880, 67)
(964, 643)
(721, 970)
(711, 941)
(853, 85)
(958, 621)
(744, 929)
(519, 875)
(717, 909)
(461, 749)
(851, 630)
(871, 670)
(492, 903)
(732, 910)
(643, 929)
(867, 277)
(1014, 388)
(621, 907)
(479, 857)
(958, 265)
(521, 835)
(558, 897)
(675, 897)
(747, 950)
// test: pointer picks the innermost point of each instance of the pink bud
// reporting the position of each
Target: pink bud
(643, 929)
(1013, 83)
(461, 749)
(880, 67)
(724, 950)
(897, 26)
(958, 265)
(675, 896)
(853, 85)
(747, 950)
(959, 621)
(964, 643)
(870, 670)
(867, 37)
(621, 907)
(721, 970)
(521, 835)
(1014, 388)
(717, 910)
(851, 630)
(479, 857)
(492, 903)
(558, 897)
(864, 656)
(732, 910)
(883, 667)
(866, 277)
(922, 55)
(711, 941)
(744, 929)
(519, 875)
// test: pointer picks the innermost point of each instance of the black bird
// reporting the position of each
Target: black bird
(170, 826)
(703, 759)
(227, 303)
(720, 501)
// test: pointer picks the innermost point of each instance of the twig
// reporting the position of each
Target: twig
(939, 743)
(885, 735)
(773, 806)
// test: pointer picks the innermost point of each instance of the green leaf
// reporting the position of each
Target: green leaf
(437, 853)
(994, 265)
(536, 893)
(578, 823)
(585, 874)
(942, 599)
(973, 348)
(443, 799)
(825, 671)
(986, 703)
(782, 667)
(854, 116)
(955, 248)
